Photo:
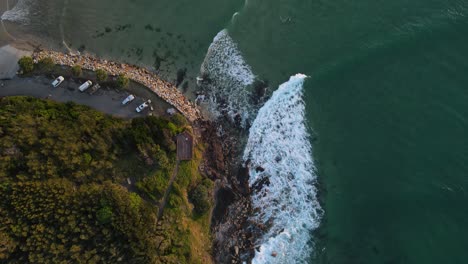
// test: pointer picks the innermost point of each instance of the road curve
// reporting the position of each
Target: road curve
(105, 100)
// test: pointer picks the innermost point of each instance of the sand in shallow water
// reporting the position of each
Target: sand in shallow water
(9, 57)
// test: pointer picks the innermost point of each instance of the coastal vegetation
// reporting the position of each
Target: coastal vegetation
(199, 196)
(122, 81)
(77, 186)
(26, 64)
(101, 75)
(46, 64)
(76, 70)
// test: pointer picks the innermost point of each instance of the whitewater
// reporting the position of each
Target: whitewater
(19, 13)
(279, 156)
(229, 77)
(278, 152)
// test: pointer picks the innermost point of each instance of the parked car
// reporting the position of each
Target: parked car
(58, 81)
(95, 88)
(128, 99)
(85, 86)
(143, 106)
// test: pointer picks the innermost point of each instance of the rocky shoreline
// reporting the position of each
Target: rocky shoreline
(163, 89)
(233, 239)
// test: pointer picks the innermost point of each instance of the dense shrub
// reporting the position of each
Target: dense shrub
(200, 198)
(104, 215)
(46, 64)
(76, 70)
(101, 75)
(26, 64)
(154, 186)
(179, 120)
(122, 81)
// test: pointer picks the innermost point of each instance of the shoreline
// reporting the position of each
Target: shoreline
(229, 225)
(165, 90)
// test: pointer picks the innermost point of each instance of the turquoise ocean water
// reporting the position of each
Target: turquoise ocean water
(385, 105)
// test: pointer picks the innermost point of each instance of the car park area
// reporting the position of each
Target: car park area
(106, 100)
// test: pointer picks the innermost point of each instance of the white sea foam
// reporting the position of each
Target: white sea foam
(229, 75)
(280, 152)
(19, 13)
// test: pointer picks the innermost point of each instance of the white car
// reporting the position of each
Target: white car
(128, 99)
(58, 81)
(85, 86)
(143, 106)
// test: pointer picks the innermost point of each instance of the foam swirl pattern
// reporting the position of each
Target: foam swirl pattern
(280, 157)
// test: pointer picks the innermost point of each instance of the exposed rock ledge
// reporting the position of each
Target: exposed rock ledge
(163, 89)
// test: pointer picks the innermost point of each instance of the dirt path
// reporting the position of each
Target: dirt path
(168, 190)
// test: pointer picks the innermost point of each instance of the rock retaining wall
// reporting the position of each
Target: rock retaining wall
(163, 89)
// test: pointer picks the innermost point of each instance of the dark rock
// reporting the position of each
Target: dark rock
(259, 169)
(181, 76)
(226, 197)
(260, 88)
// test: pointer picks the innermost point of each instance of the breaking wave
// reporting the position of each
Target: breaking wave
(229, 76)
(19, 13)
(283, 175)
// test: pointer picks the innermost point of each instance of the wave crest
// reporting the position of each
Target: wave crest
(229, 76)
(19, 13)
(279, 155)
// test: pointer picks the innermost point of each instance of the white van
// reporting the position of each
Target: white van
(85, 86)
(57, 81)
(128, 99)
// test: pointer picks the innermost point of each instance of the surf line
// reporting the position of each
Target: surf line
(279, 152)
(3, 24)
(62, 34)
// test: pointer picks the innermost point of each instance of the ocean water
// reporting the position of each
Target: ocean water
(363, 161)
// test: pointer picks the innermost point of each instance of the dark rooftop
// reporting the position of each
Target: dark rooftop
(184, 146)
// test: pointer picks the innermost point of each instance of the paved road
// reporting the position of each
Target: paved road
(105, 100)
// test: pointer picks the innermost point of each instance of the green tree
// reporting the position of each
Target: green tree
(179, 120)
(46, 64)
(7, 246)
(135, 201)
(26, 64)
(161, 158)
(101, 75)
(153, 186)
(200, 199)
(122, 81)
(76, 70)
(104, 215)
(61, 198)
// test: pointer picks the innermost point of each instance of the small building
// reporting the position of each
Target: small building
(184, 146)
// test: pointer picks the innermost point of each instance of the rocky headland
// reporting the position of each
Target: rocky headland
(233, 237)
